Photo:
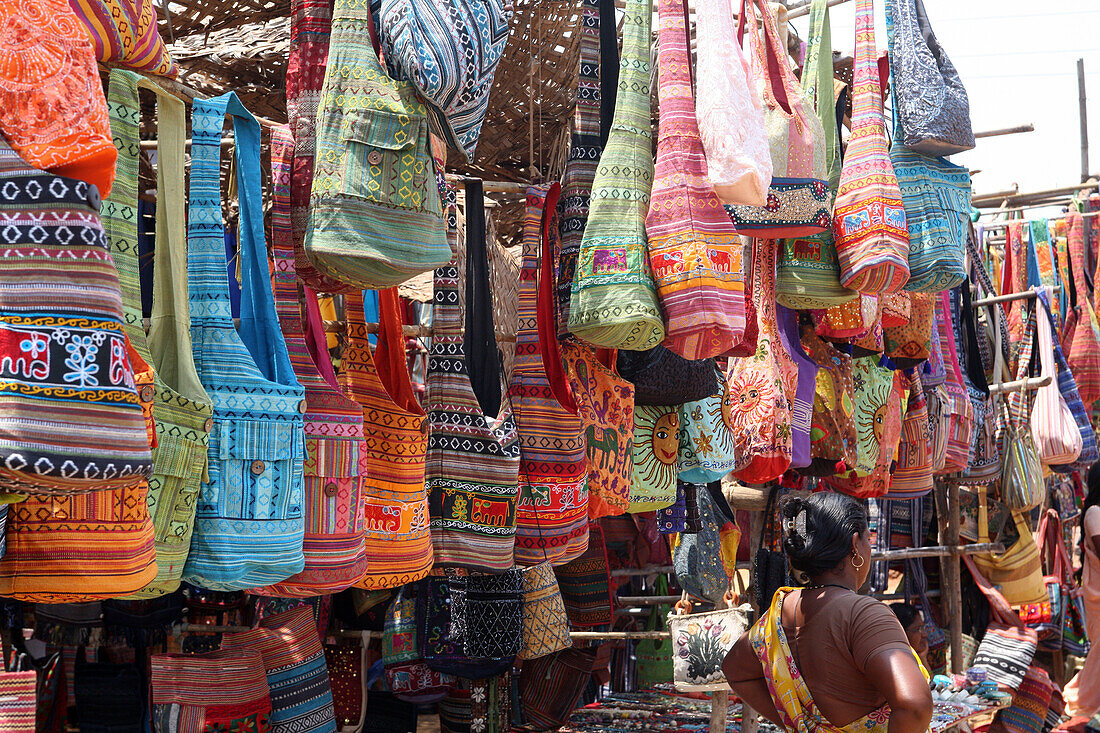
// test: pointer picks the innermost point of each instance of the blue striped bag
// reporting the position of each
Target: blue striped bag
(249, 523)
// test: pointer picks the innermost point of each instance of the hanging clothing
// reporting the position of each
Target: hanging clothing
(1082, 694)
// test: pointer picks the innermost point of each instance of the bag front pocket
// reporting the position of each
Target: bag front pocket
(384, 159)
(262, 469)
(178, 465)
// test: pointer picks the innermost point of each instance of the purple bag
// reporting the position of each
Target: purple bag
(802, 411)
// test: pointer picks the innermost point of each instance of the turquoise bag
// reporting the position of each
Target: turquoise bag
(706, 438)
(249, 524)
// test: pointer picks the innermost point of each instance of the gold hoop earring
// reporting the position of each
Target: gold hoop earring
(862, 562)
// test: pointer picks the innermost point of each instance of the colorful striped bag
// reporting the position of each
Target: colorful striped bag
(869, 219)
(614, 300)
(472, 469)
(224, 690)
(124, 32)
(301, 700)
(181, 408)
(1084, 350)
(375, 217)
(17, 702)
(249, 523)
(585, 583)
(395, 428)
(959, 411)
(552, 513)
(332, 501)
(694, 251)
(912, 476)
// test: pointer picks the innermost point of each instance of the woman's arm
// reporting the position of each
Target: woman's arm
(745, 676)
(899, 679)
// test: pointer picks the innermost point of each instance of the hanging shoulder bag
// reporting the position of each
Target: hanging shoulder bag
(1053, 427)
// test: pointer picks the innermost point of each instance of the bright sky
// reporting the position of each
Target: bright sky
(1018, 60)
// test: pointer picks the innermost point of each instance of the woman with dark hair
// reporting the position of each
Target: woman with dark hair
(823, 657)
(912, 620)
(1082, 694)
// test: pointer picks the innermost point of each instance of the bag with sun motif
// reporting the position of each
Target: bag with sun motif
(878, 400)
(656, 445)
(707, 449)
(832, 432)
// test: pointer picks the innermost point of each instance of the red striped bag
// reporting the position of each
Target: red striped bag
(958, 407)
(1084, 351)
(223, 690)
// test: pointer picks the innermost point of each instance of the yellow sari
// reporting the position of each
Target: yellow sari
(788, 689)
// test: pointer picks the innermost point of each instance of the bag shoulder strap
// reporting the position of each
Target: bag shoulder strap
(999, 607)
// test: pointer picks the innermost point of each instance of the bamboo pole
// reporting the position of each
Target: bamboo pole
(1005, 131)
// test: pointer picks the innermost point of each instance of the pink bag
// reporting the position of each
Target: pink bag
(1053, 427)
(729, 111)
(958, 407)
(872, 239)
(694, 251)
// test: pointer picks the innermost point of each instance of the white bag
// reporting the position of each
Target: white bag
(1053, 427)
(700, 642)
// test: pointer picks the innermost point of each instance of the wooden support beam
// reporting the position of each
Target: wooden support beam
(1029, 383)
(1005, 131)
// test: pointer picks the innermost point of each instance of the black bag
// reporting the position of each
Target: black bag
(770, 570)
(662, 377)
(109, 697)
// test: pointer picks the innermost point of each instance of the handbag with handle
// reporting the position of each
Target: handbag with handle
(1018, 570)
(869, 218)
(614, 300)
(1053, 427)
(933, 107)
(700, 642)
(1008, 647)
(799, 199)
(375, 216)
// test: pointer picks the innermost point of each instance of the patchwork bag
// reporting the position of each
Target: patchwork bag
(249, 523)
(398, 540)
(832, 431)
(700, 642)
(1008, 647)
(655, 450)
(449, 51)
(181, 409)
(933, 107)
(694, 251)
(545, 623)
(375, 217)
(614, 299)
(125, 32)
(799, 198)
(552, 513)
(301, 699)
(332, 500)
(53, 113)
(472, 468)
(869, 219)
(226, 689)
(585, 584)
(663, 377)
(729, 111)
(68, 376)
(407, 675)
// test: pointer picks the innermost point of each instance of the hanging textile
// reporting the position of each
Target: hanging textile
(124, 32)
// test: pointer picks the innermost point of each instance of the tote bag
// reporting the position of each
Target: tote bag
(181, 408)
(694, 251)
(869, 219)
(335, 555)
(551, 516)
(249, 522)
(207, 691)
(125, 32)
(614, 299)
(375, 217)
(700, 641)
(799, 199)
(1008, 647)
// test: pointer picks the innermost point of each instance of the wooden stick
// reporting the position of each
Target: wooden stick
(944, 550)
(997, 197)
(953, 579)
(409, 331)
(1006, 131)
(1029, 383)
(798, 11)
(1023, 295)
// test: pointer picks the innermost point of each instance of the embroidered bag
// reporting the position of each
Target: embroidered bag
(1053, 427)
(707, 448)
(912, 476)
(552, 514)
(1008, 647)
(832, 431)
(764, 385)
(17, 702)
(181, 408)
(249, 524)
(53, 112)
(437, 606)
(655, 448)
(301, 699)
(614, 299)
(490, 617)
(869, 219)
(799, 199)
(729, 111)
(226, 689)
(694, 252)
(910, 344)
(878, 415)
(472, 468)
(933, 107)
(407, 675)
(395, 429)
(449, 51)
(585, 584)
(1084, 351)
(700, 641)
(853, 319)
(545, 623)
(335, 554)
(375, 217)
(124, 32)
(704, 562)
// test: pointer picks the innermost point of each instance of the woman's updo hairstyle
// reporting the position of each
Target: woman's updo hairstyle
(817, 530)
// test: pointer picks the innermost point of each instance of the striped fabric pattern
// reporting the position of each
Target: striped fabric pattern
(449, 50)
(959, 407)
(223, 690)
(473, 459)
(125, 32)
(17, 702)
(249, 525)
(375, 218)
(335, 554)
(584, 154)
(1084, 350)
(694, 251)
(310, 29)
(552, 513)
(614, 299)
(182, 414)
(585, 583)
(301, 699)
(869, 219)
(395, 499)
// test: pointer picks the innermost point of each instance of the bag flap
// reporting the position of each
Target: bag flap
(382, 128)
(265, 440)
(177, 456)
